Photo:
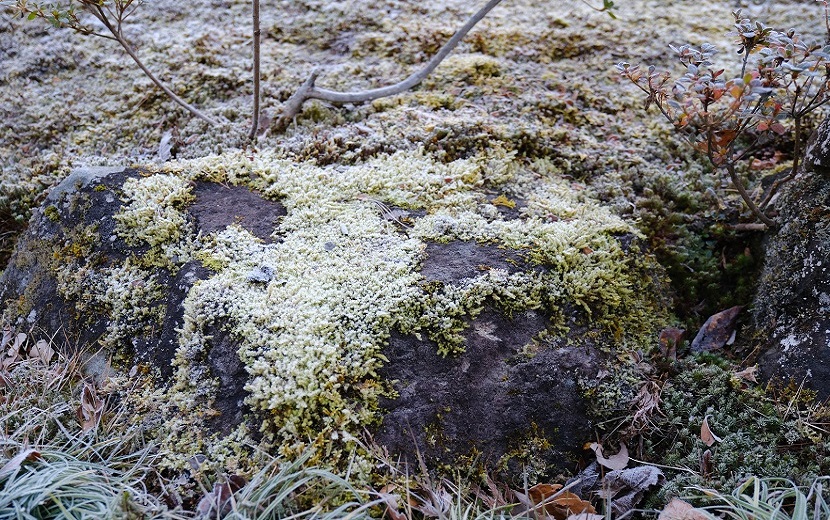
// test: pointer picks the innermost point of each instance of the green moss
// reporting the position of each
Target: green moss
(761, 434)
(52, 213)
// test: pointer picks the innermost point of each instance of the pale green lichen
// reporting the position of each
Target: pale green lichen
(152, 210)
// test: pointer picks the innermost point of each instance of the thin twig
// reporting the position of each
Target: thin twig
(257, 35)
(309, 91)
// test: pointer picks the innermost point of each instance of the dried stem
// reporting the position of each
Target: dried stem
(309, 91)
(257, 35)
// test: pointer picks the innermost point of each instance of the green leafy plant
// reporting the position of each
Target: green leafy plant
(729, 116)
(770, 499)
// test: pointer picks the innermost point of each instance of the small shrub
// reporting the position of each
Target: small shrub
(782, 79)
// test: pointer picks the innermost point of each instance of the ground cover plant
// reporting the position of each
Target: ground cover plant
(545, 75)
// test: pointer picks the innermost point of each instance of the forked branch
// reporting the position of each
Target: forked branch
(309, 91)
(112, 17)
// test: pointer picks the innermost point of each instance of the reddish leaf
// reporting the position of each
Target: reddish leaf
(670, 338)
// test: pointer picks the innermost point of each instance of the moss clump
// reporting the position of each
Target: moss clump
(151, 213)
(52, 213)
(761, 435)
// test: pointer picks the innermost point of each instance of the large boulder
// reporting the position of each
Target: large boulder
(792, 308)
(455, 310)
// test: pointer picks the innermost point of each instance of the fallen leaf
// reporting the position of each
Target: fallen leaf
(217, 503)
(14, 350)
(681, 510)
(42, 351)
(625, 488)
(706, 434)
(646, 404)
(586, 516)
(748, 374)
(89, 413)
(17, 461)
(706, 463)
(614, 462)
(165, 146)
(670, 339)
(717, 330)
(391, 499)
(558, 503)
(586, 480)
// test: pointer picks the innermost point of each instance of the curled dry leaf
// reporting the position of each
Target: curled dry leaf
(614, 462)
(681, 510)
(390, 500)
(748, 374)
(706, 465)
(670, 339)
(625, 488)
(557, 503)
(17, 461)
(42, 352)
(218, 503)
(706, 434)
(89, 413)
(14, 349)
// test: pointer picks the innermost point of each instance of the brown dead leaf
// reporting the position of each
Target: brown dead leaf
(391, 499)
(17, 461)
(716, 331)
(748, 374)
(706, 463)
(670, 339)
(614, 462)
(681, 510)
(89, 413)
(557, 503)
(706, 434)
(42, 352)
(646, 404)
(218, 503)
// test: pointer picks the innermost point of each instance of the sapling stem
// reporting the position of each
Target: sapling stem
(257, 35)
(309, 91)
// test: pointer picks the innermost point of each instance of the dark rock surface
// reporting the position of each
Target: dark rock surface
(492, 401)
(792, 308)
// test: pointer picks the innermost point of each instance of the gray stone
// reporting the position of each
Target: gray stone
(792, 307)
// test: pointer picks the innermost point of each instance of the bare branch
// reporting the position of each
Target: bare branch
(257, 35)
(309, 91)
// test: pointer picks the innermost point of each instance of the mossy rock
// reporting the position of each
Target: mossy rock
(792, 308)
(470, 305)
